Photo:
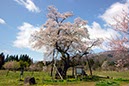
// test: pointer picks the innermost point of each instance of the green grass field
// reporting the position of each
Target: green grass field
(43, 79)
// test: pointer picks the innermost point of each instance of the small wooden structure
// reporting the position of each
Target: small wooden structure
(79, 71)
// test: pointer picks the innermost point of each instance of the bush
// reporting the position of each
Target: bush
(11, 65)
(107, 83)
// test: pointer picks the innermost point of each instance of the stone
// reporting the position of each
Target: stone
(30, 80)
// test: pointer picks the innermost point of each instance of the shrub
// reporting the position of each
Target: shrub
(12, 65)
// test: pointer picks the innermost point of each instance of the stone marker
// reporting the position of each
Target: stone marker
(29, 80)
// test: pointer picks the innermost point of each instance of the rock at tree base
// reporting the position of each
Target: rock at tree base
(29, 80)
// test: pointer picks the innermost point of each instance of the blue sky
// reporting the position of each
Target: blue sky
(18, 18)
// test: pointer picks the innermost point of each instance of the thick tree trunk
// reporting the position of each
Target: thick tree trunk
(65, 72)
(65, 64)
(89, 65)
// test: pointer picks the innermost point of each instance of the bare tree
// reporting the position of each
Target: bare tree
(63, 39)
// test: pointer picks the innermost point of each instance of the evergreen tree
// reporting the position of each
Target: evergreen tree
(2, 56)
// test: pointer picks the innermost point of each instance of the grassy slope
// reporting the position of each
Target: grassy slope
(113, 74)
(13, 78)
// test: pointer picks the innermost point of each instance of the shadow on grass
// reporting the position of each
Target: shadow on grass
(75, 80)
(107, 83)
(121, 80)
(94, 78)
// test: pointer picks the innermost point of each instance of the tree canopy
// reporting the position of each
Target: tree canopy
(63, 39)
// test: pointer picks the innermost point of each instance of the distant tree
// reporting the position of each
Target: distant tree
(11, 58)
(11, 65)
(38, 66)
(2, 56)
(23, 64)
(16, 58)
(64, 39)
(121, 44)
(25, 58)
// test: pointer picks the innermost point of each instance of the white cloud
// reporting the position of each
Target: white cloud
(108, 16)
(96, 31)
(114, 11)
(2, 21)
(22, 39)
(29, 4)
